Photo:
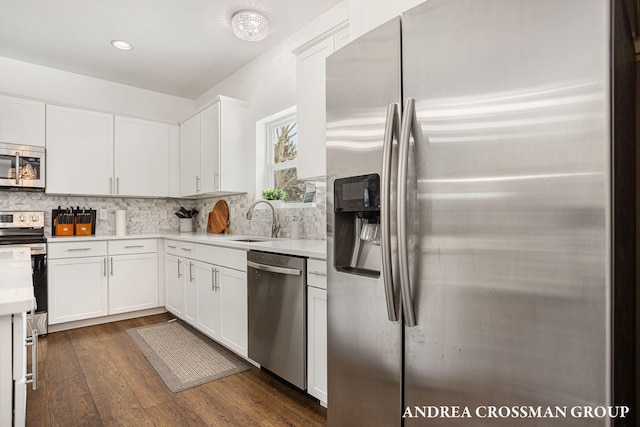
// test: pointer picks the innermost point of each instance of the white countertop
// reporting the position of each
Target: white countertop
(301, 247)
(16, 286)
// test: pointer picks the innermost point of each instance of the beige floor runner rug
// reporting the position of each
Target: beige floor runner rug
(182, 356)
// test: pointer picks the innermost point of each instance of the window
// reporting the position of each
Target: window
(282, 140)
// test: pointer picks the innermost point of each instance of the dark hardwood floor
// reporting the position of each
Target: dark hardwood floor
(96, 376)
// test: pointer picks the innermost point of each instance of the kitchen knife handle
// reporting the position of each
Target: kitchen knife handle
(390, 132)
(403, 243)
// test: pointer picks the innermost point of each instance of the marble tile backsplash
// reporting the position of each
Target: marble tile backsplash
(148, 216)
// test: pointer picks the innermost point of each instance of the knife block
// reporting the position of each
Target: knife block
(63, 229)
(83, 222)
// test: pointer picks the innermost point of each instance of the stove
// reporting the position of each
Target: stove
(26, 229)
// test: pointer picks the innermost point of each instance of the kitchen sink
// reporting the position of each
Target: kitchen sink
(252, 239)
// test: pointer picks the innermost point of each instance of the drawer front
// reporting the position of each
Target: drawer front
(317, 266)
(225, 257)
(130, 246)
(175, 247)
(317, 273)
(76, 249)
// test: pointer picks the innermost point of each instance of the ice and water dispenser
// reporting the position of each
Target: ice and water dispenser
(357, 225)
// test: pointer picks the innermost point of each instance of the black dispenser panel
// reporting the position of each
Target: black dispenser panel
(357, 193)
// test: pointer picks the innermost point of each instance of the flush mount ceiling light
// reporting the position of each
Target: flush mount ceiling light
(250, 25)
(121, 44)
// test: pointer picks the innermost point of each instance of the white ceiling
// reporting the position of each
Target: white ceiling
(180, 47)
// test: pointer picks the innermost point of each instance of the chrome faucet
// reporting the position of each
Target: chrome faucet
(275, 218)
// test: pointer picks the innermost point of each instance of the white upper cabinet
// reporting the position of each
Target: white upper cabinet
(213, 149)
(79, 151)
(142, 157)
(311, 74)
(190, 155)
(22, 121)
(95, 153)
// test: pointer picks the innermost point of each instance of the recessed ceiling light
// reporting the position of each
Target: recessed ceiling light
(250, 25)
(121, 44)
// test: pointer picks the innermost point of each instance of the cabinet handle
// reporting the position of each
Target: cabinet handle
(133, 246)
(171, 247)
(32, 341)
(190, 271)
(105, 267)
(112, 266)
(317, 273)
(185, 249)
(17, 168)
(197, 184)
(213, 279)
(111, 185)
(216, 181)
(78, 249)
(217, 279)
(179, 275)
(118, 185)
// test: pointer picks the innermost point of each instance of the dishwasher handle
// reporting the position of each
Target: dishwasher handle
(274, 269)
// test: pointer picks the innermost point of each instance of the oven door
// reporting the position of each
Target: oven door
(22, 166)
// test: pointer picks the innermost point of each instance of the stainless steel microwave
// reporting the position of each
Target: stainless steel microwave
(22, 167)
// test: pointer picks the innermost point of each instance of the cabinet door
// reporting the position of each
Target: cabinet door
(78, 289)
(233, 309)
(79, 151)
(21, 121)
(210, 149)
(190, 155)
(208, 300)
(141, 157)
(311, 110)
(174, 280)
(190, 292)
(133, 282)
(317, 343)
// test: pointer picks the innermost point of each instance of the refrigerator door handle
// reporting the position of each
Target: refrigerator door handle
(390, 132)
(407, 129)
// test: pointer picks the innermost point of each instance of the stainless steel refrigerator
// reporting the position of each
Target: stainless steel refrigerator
(481, 216)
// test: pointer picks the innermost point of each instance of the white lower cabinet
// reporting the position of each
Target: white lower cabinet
(317, 329)
(208, 291)
(190, 291)
(133, 282)
(174, 284)
(206, 286)
(90, 279)
(233, 309)
(78, 282)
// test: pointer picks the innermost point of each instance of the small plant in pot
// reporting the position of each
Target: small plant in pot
(275, 196)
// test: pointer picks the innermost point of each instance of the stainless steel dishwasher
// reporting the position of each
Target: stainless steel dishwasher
(277, 295)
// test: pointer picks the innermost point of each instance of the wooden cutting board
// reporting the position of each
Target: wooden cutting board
(219, 218)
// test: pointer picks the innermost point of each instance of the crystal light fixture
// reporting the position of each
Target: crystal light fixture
(250, 25)
(121, 44)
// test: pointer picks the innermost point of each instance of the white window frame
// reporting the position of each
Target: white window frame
(271, 127)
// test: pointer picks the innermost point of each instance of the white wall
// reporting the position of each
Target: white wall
(49, 84)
